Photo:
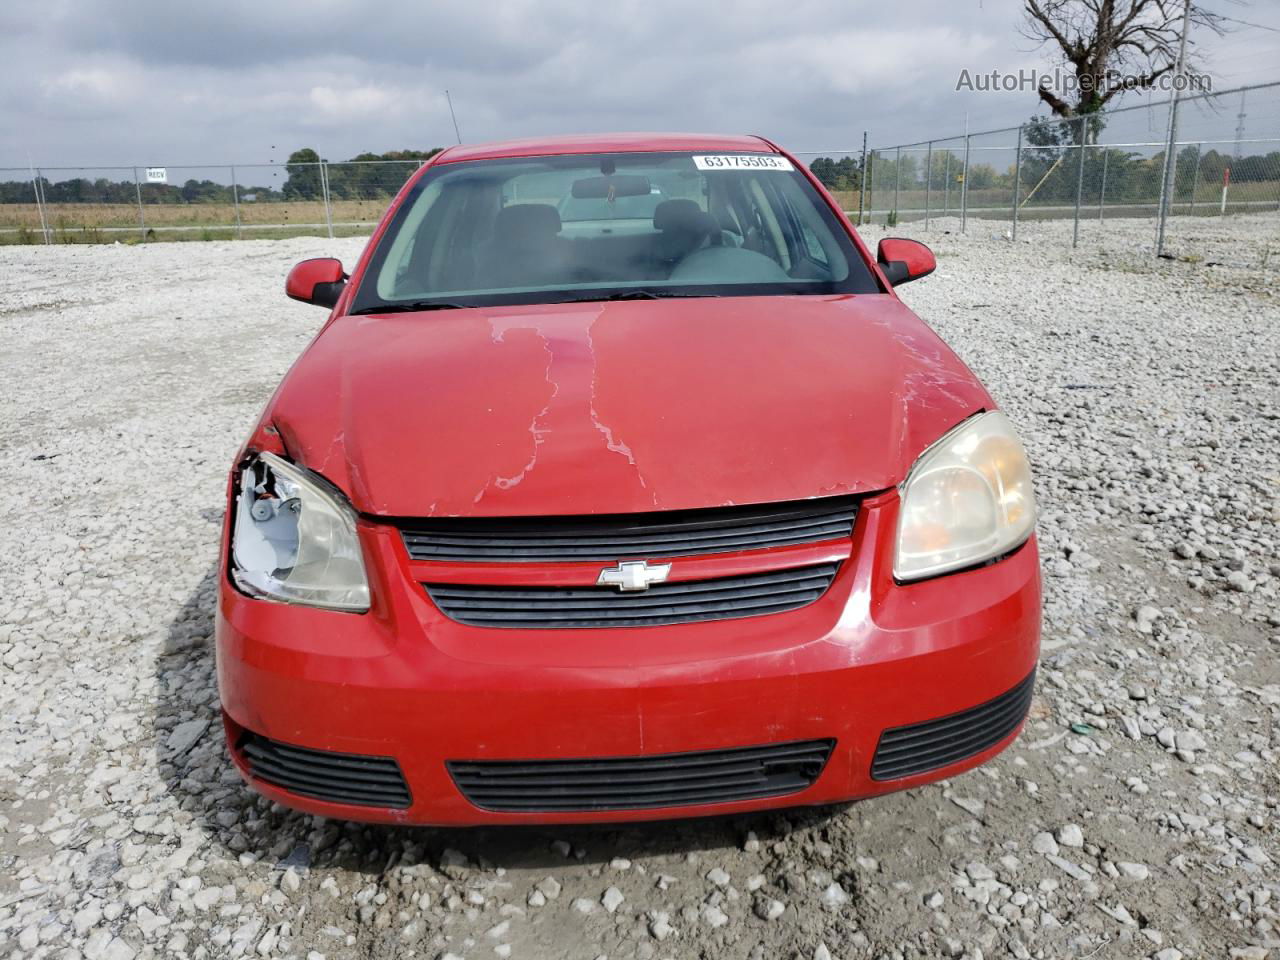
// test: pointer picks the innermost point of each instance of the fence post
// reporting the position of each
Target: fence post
(946, 186)
(862, 185)
(44, 200)
(1075, 228)
(235, 200)
(1195, 179)
(964, 187)
(928, 181)
(324, 187)
(142, 220)
(897, 179)
(1017, 183)
(35, 187)
(1102, 193)
(869, 178)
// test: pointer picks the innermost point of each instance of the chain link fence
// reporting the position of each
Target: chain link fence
(1066, 180)
(1059, 180)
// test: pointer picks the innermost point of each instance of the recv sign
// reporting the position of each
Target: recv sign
(157, 175)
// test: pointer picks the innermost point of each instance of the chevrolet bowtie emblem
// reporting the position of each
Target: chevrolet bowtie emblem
(633, 575)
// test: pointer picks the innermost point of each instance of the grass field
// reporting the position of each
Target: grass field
(95, 222)
(1243, 196)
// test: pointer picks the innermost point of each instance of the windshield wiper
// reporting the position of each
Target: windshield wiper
(638, 295)
(413, 307)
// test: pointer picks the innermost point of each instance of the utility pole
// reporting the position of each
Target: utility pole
(1017, 183)
(964, 178)
(862, 180)
(1170, 151)
(1239, 128)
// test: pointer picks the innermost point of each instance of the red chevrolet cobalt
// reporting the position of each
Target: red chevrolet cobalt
(620, 485)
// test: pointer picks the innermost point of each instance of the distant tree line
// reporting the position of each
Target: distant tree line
(842, 174)
(348, 180)
(354, 179)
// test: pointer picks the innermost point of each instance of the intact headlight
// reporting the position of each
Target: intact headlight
(967, 499)
(295, 539)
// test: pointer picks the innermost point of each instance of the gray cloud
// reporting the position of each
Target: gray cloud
(94, 81)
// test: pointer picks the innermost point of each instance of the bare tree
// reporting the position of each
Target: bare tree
(1110, 45)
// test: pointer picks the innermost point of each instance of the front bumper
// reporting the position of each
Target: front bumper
(404, 682)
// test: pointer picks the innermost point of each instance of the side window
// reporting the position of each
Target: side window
(774, 243)
(812, 246)
(809, 239)
(394, 278)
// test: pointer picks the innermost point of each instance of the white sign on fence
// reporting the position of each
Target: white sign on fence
(157, 175)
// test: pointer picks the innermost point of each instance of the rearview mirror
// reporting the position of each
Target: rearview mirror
(904, 260)
(619, 185)
(319, 281)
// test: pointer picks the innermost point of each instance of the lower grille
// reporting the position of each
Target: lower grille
(685, 601)
(638, 783)
(333, 777)
(904, 751)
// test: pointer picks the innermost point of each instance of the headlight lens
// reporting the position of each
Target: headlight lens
(967, 499)
(295, 539)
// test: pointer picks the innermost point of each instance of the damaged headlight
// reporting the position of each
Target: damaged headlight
(967, 499)
(295, 539)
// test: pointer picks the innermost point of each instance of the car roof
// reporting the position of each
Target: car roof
(607, 143)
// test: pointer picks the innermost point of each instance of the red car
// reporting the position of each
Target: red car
(620, 485)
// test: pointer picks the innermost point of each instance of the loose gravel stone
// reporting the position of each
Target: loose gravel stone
(549, 887)
(834, 896)
(1043, 842)
(713, 916)
(1070, 835)
(772, 909)
(1134, 871)
(659, 926)
(719, 877)
(612, 899)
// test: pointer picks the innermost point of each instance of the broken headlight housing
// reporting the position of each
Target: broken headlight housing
(968, 499)
(295, 539)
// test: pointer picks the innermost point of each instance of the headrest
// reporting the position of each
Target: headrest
(527, 220)
(682, 214)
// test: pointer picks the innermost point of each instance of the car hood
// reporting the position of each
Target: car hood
(621, 407)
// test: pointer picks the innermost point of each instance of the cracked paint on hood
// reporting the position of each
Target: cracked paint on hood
(623, 406)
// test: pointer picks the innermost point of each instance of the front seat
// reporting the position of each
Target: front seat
(526, 249)
(683, 227)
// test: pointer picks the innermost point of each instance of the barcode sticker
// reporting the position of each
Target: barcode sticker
(743, 161)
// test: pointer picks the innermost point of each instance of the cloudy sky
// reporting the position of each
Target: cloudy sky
(152, 82)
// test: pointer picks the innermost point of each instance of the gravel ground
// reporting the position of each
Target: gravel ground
(1137, 816)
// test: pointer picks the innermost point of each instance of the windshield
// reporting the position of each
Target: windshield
(603, 226)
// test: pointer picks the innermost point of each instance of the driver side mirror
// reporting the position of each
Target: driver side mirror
(902, 261)
(318, 281)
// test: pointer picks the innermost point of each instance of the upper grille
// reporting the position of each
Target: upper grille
(636, 783)
(673, 533)
(324, 775)
(687, 601)
(904, 751)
